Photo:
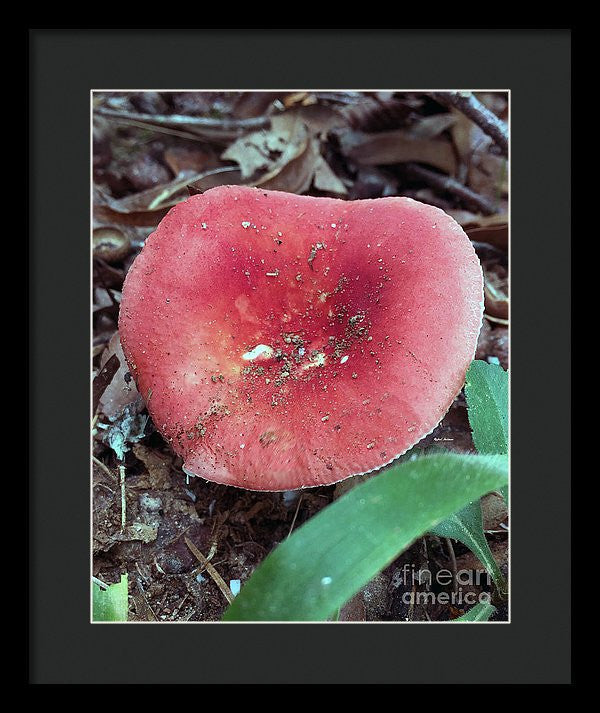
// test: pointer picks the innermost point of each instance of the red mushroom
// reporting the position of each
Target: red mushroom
(286, 341)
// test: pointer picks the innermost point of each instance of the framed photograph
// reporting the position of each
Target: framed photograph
(290, 289)
(310, 306)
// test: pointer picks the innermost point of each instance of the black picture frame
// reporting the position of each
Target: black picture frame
(64, 65)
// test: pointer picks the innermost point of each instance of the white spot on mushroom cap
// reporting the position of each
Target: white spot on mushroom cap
(318, 359)
(260, 351)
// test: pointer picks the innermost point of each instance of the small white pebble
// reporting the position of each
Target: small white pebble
(344, 359)
(235, 586)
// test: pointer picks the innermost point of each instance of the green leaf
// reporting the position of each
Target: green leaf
(339, 550)
(467, 527)
(110, 604)
(486, 391)
(480, 612)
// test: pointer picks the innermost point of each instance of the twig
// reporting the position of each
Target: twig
(181, 603)
(445, 183)
(150, 615)
(453, 560)
(486, 120)
(123, 498)
(100, 583)
(104, 467)
(202, 124)
(496, 320)
(295, 515)
(159, 129)
(218, 580)
(411, 607)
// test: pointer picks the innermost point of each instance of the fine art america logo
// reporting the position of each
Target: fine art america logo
(415, 580)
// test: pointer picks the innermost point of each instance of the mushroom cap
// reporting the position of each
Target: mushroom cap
(286, 341)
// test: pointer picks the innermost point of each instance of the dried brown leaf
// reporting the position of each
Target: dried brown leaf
(389, 147)
(320, 119)
(296, 175)
(110, 244)
(470, 221)
(325, 179)
(378, 112)
(157, 465)
(147, 208)
(373, 182)
(186, 159)
(302, 98)
(496, 235)
(121, 390)
(471, 561)
(223, 176)
(482, 171)
(496, 293)
(488, 174)
(493, 510)
(431, 126)
(133, 209)
(286, 157)
(253, 104)
(103, 379)
(269, 150)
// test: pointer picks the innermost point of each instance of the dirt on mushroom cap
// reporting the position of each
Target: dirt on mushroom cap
(291, 341)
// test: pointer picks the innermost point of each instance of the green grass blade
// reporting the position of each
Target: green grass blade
(486, 391)
(328, 559)
(110, 604)
(480, 612)
(467, 527)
